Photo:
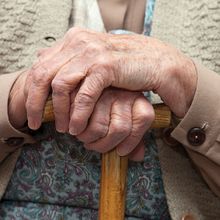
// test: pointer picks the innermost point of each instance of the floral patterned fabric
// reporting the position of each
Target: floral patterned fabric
(57, 178)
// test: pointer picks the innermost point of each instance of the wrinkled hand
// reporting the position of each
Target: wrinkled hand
(120, 118)
(94, 61)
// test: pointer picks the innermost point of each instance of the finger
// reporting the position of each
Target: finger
(63, 85)
(138, 153)
(61, 110)
(142, 118)
(89, 92)
(72, 98)
(99, 121)
(40, 79)
(119, 129)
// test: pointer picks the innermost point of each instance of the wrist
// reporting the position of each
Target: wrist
(179, 85)
(16, 103)
(190, 82)
(187, 75)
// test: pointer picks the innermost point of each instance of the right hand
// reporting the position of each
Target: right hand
(120, 119)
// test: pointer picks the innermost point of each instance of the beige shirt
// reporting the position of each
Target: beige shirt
(204, 114)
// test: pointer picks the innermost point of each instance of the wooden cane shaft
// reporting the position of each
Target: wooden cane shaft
(114, 174)
(113, 186)
(114, 169)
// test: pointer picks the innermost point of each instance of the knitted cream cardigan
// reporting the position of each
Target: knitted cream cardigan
(27, 25)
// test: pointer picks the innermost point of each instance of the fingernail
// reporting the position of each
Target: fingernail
(122, 151)
(33, 124)
(73, 131)
(60, 128)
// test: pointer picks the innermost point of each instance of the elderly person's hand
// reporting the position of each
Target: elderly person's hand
(132, 62)
(120, 118)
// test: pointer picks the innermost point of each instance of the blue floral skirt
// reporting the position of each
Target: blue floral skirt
(58, 179)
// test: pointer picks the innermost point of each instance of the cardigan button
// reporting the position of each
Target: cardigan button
(170, 141)
(50, 39)
(196, 136)
(14, 141)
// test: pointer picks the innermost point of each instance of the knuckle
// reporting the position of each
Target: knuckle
(58, 87)
(99, 79)
(106, 61)
(121, 129)
(99, 130)
(147, 115)
(144, 115)
(102, 122)
(142, 123)
(101, 76)
(95, 131)
(93, 49)
(31, 108)
(84, 98)
(55, 85)
(40, 75)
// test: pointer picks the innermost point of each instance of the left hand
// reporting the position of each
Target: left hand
(120, 119)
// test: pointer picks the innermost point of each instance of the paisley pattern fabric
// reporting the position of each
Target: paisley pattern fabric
(57, 178)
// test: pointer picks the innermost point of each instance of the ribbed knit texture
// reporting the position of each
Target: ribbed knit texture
(27, 26)
(192, 26)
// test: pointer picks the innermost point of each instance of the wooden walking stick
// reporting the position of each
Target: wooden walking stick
(114, 169)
